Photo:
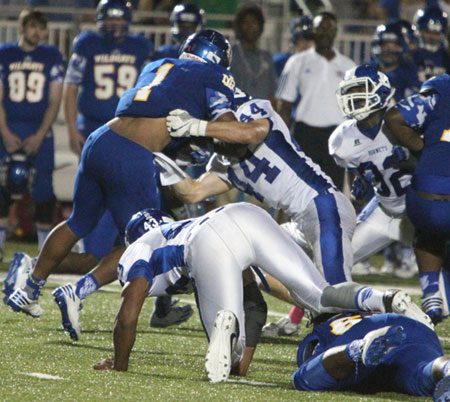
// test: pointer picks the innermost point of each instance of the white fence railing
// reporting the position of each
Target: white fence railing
(61, 35)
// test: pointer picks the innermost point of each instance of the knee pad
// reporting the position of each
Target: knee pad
(45, 210)
(255, 309)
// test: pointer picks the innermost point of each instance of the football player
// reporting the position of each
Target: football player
(425, 114)
(301, 39)
(431, 56)
(185, 20)
(213, 250)
(31, 76)
(371, 353)
(116, 172)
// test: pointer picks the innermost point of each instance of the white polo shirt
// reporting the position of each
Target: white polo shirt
(316, 80)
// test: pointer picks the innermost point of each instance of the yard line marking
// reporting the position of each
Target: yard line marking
(43, 376)
(250, 382)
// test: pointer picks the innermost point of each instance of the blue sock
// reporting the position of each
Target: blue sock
(33, 287)
(86, 286)
(429, 282)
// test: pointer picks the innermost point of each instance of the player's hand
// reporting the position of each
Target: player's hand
(399, 154)
(11, 142)
(181, 124)
(76, 142)
(359, 188)
(104, 364)
(32, 144)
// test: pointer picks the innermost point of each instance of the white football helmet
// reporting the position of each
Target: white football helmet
(373, 92)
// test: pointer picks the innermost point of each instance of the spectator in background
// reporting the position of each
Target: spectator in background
(252, 68)
(315, 74)
(31, 82)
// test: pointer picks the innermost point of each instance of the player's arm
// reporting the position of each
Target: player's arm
(11, 142)
(398, 131)
(181, 124)
(76, 139)
(32, 144)
(133, 297)
(207, 185)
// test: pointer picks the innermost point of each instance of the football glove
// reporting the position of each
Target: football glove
(359, 188)
(181, 124)
(400, 153)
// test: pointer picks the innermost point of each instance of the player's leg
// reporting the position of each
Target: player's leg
(42, 189)
(219, 289)
(328, 224)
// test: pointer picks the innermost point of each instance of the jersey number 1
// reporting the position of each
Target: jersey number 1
(144, 92)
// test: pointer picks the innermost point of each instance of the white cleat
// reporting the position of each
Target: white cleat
(399, 302)
(282, 327)
(69, 305)
(19, 268)
(20, 302)
(364, 268)
(223, 340)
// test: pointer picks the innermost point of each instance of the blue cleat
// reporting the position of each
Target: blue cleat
(19, 268)
(69, 305)
(380, 342)
(432, 305)
(20, 302)
(442, 391)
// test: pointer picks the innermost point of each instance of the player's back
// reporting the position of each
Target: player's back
(109, 70)
(275, 171)
(344, 328)
(372, 158)
(26, 78)
(169, 84)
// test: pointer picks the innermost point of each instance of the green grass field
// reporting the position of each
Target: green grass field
(166, 364)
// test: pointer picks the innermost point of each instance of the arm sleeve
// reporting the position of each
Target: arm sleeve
(288, 85)
(416, 109)
(57, 69)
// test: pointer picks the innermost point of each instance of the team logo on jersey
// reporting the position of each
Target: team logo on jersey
(228, 81)
(357, 142)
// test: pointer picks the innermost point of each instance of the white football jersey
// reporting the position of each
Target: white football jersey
(373, 159)
(275, 171)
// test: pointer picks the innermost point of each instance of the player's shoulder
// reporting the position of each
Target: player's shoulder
(8, 47)
(139, 40)
(50, 50)
(342, 139)
(344, 60)
(86, 40)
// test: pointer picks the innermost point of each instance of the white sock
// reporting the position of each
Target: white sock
(369, 299)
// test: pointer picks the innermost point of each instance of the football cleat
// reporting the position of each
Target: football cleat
(69, 305)
(364, 267)
(380, 342)
(432, 305)
(442, 390)
(176, 315)
(399, 302)
(20, 302)
(219, 357)
(388, 268)
(282, 327)
(19, 268)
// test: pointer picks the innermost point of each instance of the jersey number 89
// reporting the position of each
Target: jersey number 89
(29, 87)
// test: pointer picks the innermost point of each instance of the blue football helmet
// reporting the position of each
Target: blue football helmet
(110, 10)
(16, 175)
(371, 92)
(185, 20)
(144, 221)
(207, 46)
(431, 22)
(392, 32)
(301, 28)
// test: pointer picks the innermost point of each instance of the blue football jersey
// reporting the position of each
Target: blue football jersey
(428, 112)
(205, 90)
(430, 64)
(26, 77)
(345, 328)
(104, 71)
